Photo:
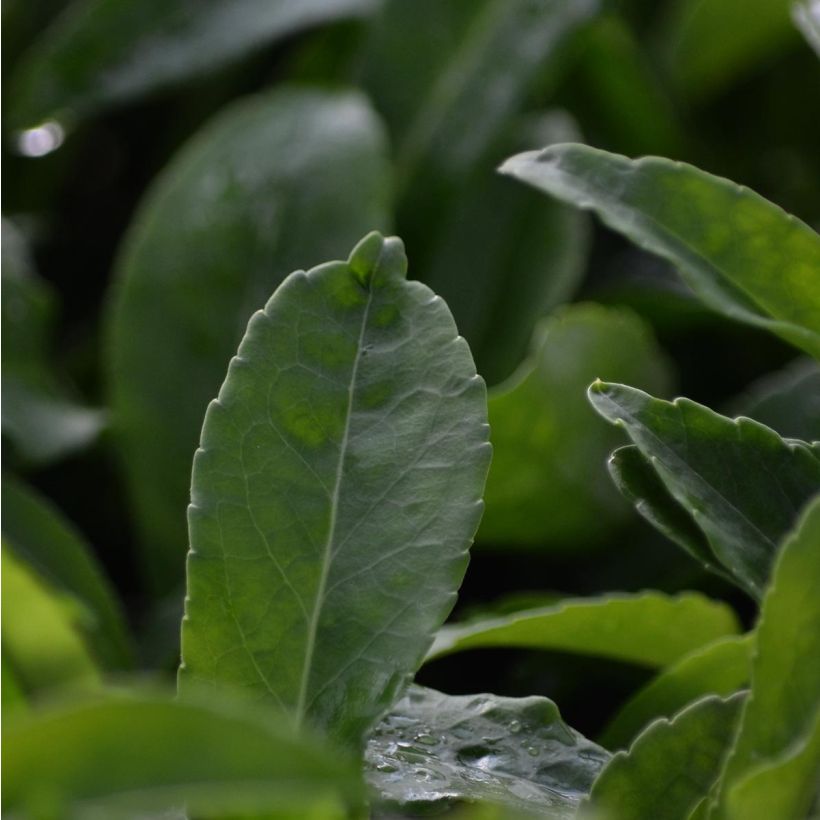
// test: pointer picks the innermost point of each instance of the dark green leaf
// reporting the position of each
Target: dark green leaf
(547, 483)
(671, 767)
(649, 628)
(780, 724)
(105, 52)
(37, 533)
(719, 668)
(740, 482)
(335, 494)
(742, 255)
(11, 689)
(434, 749)
(273, 183)
(122, 755)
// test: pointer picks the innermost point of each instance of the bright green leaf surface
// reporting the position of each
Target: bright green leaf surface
(435, 749)
(742, 484)
(547, 482)
(649, 628)
(785, 682)
(670, 767)
(719, 668)
(38, 534)
(42, 632)
(806, 16)
(123, 755)
(335, 494)
(274, 183)
(742, 255)
(104, 52)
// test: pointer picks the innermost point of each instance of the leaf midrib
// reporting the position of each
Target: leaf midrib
(327, 558)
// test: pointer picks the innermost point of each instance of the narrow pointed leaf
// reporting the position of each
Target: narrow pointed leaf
(785, 680)
(273, 183)
(742, 255)
(335, 494)
(671, 766)
(100, 53)
(720, 668)
(649, 628)
(742, 484)
(433, 750)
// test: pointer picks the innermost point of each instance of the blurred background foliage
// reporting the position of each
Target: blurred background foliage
(168, 163)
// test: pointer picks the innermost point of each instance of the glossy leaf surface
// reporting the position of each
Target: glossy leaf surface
(740, 482)
(671, 766)
(433, 750)
(275, 182)
(546, 483)
(742, 255)
(39, 534)
(335, 493)
(104, 52)
(91, 760)
(785, 683)
(649, 628)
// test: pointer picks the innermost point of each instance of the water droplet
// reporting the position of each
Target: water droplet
(532, 751)
(426, 739)
(515, 726)
(40, 140)
(384, 766)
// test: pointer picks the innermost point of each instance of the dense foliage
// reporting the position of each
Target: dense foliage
(178, 177)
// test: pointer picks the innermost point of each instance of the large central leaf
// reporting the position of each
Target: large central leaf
(335, 494)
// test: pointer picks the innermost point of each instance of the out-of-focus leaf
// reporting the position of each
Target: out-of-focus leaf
(42, 632)
(122, 755)
(671, 767)
(806, 16)
(720, 668)
(786, 685)
(100, 53)
(37, 533)
(740, 482)
(11, 689)
(711, 44)
(547, 484)
(40, 417)
(787, 401)
(433, 750)
(273, 183)
(335, 493)
(742, 255)
(649, 628)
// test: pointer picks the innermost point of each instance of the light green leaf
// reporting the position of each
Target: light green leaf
(42, 634)
(742, 255)
(433, 750)
(648, 628)
(547, 483)
(100, 53)
(274, 182)
(37, 533)
(121, 755)
(335, 494)
(806, 16)
(740, 482)
(671, 766)
(785, 684)
(719, 668)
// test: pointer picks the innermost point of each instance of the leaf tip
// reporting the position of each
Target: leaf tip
(376, 255)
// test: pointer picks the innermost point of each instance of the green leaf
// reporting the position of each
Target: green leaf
(41, 418)
(742, 255)
(433, 750)
(806, 16)
(546, 483)
(274, 182)
(648, 628)
(335, 494)
(42, 634)
(125, 754)
(11, 689)
(740, 482)
(671, 766)
(38, 534)
(719, 668)
(785, 684)
(100, 53)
